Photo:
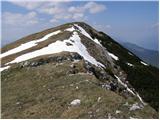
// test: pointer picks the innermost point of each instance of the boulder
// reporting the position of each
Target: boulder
(76, 102)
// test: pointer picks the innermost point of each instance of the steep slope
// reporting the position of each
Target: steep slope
(74, 71)
(150, 56)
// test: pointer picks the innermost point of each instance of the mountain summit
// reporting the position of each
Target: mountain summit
(75, 71)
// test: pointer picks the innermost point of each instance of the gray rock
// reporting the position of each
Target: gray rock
(76, 56)
(34, 64)
(24, 64)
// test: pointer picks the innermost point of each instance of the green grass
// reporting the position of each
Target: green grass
(47, 90)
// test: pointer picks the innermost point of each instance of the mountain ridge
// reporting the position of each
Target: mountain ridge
(78, 43)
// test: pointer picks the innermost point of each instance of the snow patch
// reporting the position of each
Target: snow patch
(113, 56)
(75, 102)
(144, 63)
(71, 29)
(28, 44)
(130, 53)
(4, 68)
(60, 46)
(129, 64)
(140, 99)
(125, 85)
(97, 41)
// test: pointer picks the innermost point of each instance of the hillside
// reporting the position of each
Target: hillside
(149, 56)
(75, 71)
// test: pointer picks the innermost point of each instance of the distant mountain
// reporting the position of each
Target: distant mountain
(149, 56)
(75, 71)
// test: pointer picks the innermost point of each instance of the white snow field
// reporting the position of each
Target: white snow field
(60, 46)
(71, 29)
(28, 44)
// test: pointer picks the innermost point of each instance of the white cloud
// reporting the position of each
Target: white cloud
(76, 9)
(94, 7)
(78, 16)
(51, 8)
(60, 10)
(63, 16)
(17, 19)
(27, 4)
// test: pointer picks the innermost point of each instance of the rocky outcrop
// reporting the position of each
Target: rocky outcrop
(55, 58)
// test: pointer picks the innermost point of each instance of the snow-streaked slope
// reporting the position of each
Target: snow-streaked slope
(60, 46)
(113, 56)
(83, 31)
(28, 44)
(125, 85)
(78, 28)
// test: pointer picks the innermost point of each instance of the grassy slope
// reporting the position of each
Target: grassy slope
(47, 90)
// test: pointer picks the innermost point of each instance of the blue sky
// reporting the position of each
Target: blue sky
(134, 22)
